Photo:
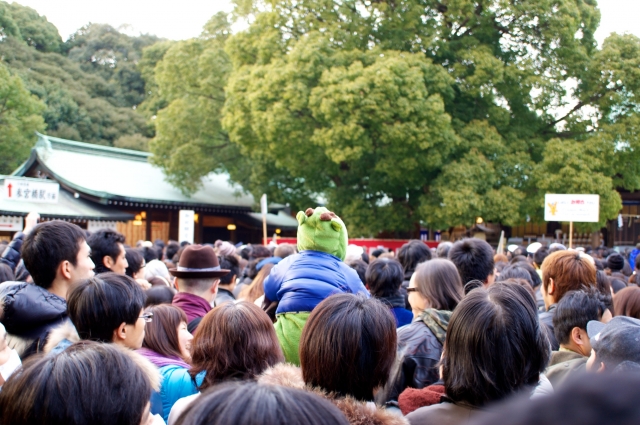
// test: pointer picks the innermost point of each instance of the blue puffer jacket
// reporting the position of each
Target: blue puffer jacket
(176, 383)
(301, 281)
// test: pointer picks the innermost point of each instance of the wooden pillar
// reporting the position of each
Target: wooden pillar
(148, 225)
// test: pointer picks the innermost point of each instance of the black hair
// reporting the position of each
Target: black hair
(576, 309)
(384, 278)
(590, 399)
(88, 383)
(151, 253)
(473, 259)
(229, 263)
(377, 252)
(99, 305)
(413, 253)
(521, 271)
(361, 268)
(135, 261)
(268, 405)
(6, 274)
(160, 294)
(540, 255)
(494, 345)
(49, 244)
(172, 248)
(473, 284)
(103, 243)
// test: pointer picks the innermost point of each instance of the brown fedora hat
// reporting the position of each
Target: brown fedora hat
(198, 261)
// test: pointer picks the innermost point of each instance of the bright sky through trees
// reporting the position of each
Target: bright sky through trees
(178, 20)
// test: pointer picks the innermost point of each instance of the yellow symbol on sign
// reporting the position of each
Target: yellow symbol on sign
(553, 208)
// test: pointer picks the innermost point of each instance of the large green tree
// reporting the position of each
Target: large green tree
(424, 111)
(20, 117)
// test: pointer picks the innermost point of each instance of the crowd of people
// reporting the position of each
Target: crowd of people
(93, 330)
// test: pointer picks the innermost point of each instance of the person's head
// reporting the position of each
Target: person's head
(268, 405)
(435, 284)
(573, 312)
(494, 345)
(539, 256)
(230, 263)
(474, 260)
(564, 271)
(88, 383)
(284, 250)
(255, 290)
(384, 277)
(627, 302)
(521, 271)
(57, 251)
(171, 250)
(613, 344)
(587, 400)
(244, 342)
(260, 251)
(442, 251)
(198, 271)
(615, 262)
(157, 268)
(159, 294)
(167, 333)
(360, 267)
(6, 273)
(107, 251)
(413, 253)
(151, 253)
(135, 263)
(108, 308)
(348, 346)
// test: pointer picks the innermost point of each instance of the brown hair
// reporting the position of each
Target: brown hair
(161, 334)
(234, 341)
(570, 271)
(255, 290)
(348, 346)
(438, 281)
(627, 302)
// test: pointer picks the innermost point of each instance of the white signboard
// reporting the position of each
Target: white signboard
(577, 208)
(94, 225)
(11, 224)
(31, 190)
(186, 226)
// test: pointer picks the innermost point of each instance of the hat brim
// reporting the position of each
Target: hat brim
(198, 275)
(594, 327)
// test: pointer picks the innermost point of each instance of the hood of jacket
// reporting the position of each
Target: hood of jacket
(356, 412)
(27, 310)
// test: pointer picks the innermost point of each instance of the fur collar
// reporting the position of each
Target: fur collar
(356, 412)
(57, 335)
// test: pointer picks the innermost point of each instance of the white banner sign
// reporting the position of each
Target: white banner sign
(186, 226)
(576, 208)
(11, 224)
(31, 190)
(94, 225)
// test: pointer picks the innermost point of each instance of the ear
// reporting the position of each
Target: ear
(576, 336)
(301, 217)
(337, 226)
(214, 287)
(552, 287)
(65, 269)
(108, 262)
(601, 368)
(120, 334)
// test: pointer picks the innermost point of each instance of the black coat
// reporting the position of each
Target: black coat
(11, 254)
(417, 363)
(29, 312)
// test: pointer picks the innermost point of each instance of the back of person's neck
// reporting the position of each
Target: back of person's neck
(59, 288)
(204, 295)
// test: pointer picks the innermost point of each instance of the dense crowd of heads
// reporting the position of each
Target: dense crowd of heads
(97, 331)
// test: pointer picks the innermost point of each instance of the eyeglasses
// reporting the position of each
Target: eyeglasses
(148, 317)
(412, 289)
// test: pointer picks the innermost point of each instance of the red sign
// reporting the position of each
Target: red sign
(370, 244)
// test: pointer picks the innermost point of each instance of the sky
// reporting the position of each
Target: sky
(178, 20)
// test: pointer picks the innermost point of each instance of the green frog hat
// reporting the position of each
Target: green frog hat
(322, 230)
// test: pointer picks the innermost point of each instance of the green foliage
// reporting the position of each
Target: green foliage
(403, 112)
(20, 117)
(132, 141)
(34, 29)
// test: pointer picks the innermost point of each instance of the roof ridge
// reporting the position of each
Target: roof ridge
(56, 143)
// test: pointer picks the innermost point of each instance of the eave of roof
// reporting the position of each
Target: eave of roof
(281, 220)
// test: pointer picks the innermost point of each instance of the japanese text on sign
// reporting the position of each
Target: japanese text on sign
(573, 207)
(31, 190)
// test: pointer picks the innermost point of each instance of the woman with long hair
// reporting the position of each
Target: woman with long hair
(167, 344)
(434, 291)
